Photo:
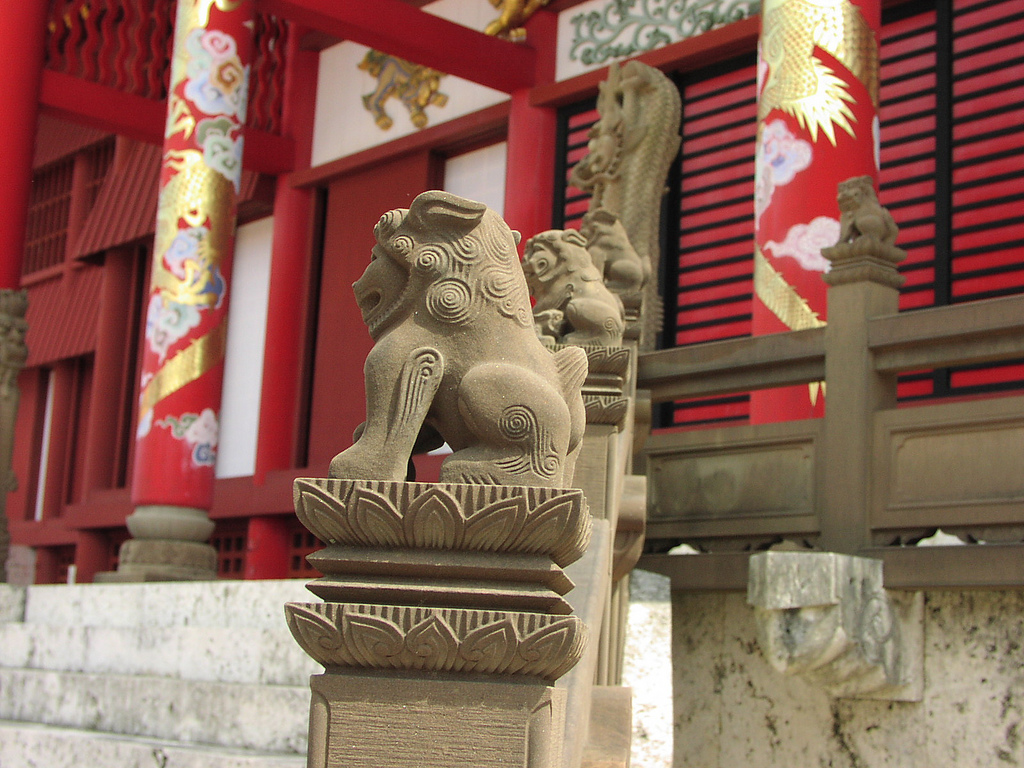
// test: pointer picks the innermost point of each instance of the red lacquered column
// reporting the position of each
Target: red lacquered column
(186, 322)
(529, 186)
(818, 125)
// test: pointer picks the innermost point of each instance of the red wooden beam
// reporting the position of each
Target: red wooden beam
(399, 29)
(142, 119)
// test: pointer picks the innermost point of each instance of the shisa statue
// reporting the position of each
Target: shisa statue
(614, 256)
(861, 215)
(456, 355)
(446, 598)
(865, 229)
(573, 305)
(630, 149)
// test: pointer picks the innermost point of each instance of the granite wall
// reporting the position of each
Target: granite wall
(732, 710)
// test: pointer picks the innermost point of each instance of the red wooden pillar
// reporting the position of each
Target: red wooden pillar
(529, 186)
(182, 366)
(22, 40)
(817, 125)
(266, 554)
(289, 269)
(108, 370)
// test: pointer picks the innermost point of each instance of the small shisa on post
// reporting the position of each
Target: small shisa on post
(445, 622)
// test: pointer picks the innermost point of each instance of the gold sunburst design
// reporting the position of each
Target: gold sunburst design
(799, 83)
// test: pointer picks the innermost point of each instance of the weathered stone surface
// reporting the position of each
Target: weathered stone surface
(251, 604)
(446, 302)
(647, 669)
(213, 654)
(269, 718)
(27, 744)
(12, 603)
(13, 354)
(369, 722)
(732, 708)
(166, 560)
(826, 617)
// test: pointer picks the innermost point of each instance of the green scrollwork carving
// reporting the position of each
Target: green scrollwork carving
(628, 27)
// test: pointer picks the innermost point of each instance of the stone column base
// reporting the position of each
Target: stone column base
(362, 720)
(165, 560)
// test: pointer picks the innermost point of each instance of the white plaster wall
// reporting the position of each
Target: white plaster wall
(732, 709)
(343, 125)
(479, 175)
(243, 364)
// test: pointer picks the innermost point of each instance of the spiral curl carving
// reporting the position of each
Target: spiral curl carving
(450, 300)
(403, 245)
(433, 259)
(518, 423)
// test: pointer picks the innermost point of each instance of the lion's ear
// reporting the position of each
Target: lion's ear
(517, 236)
(435, 208)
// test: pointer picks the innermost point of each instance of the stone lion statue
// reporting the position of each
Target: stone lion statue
(456, 358)
(861, 215)
(562, 277)
(613, 255)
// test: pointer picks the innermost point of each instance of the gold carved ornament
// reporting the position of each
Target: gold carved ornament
(185, 367)
(799, 83)
(418, 86)
(783, 301)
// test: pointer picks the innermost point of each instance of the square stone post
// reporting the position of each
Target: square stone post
(444, 624)
(863, 284)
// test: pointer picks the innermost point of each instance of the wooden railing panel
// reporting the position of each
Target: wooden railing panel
(952, 466)
(759, 481)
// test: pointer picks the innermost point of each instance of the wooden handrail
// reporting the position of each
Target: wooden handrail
(736, 365)
(961, 334)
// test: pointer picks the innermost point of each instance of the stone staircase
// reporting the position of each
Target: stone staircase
(158, 675)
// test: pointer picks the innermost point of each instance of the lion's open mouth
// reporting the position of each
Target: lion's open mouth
(370, 301)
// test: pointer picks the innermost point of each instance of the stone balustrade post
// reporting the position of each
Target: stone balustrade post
(863, 284)
(444, 624)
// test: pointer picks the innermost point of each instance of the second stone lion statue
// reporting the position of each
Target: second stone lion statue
(456, 357)
(563, 280)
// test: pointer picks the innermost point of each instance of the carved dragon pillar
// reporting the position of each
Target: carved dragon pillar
(186, 324)
(13, 354)
(818, 125)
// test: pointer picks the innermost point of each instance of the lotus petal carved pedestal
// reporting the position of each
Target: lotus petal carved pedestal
(445, 622)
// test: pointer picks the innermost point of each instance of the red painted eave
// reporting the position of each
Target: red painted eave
(77, 100)
(399, 29)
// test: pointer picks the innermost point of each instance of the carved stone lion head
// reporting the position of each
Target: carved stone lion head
(556, 252)
(451, 257)
(856, 191)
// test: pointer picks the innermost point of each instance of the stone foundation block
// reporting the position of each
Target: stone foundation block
(376, 721)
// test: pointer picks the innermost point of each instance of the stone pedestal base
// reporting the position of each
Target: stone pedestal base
(165, 560)
(377, 721)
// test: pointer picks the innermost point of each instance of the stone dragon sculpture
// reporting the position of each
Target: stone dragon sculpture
(630, 150)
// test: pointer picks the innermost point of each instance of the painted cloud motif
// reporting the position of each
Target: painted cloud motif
(780, 157)
(804, 243)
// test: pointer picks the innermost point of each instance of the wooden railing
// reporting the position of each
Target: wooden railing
(869, 478)
(126, 45)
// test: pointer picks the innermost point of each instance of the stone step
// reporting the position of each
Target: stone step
(227, 655)
(27, 744)
(253, 604)
(257, 717)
